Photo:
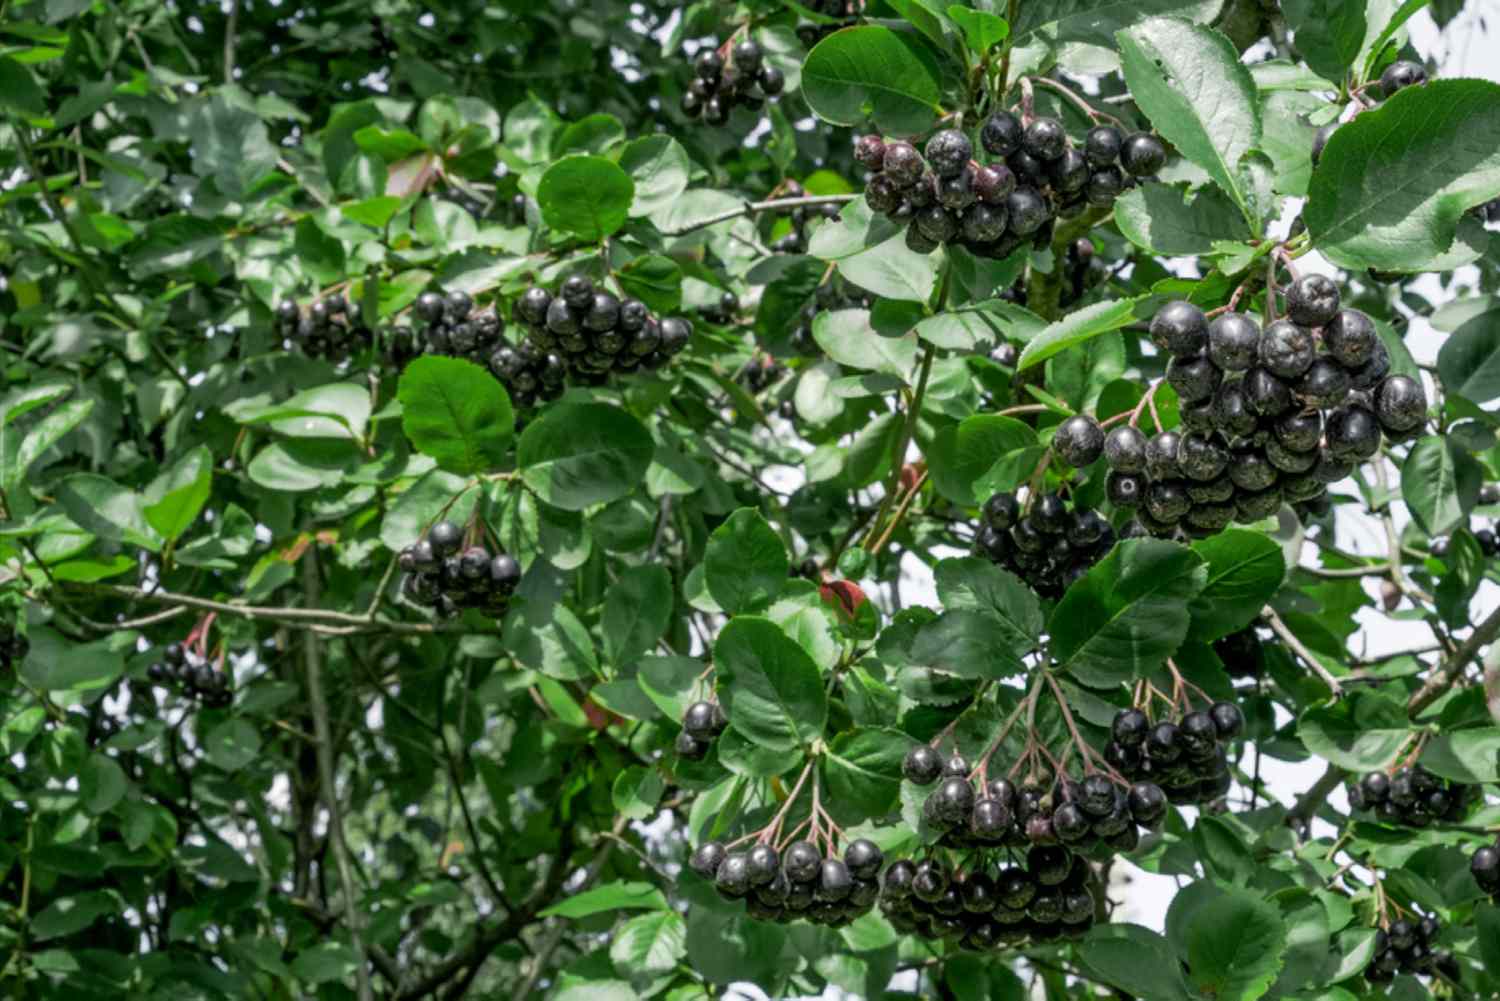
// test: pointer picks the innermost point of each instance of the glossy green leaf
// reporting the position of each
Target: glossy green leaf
(587, 196)
(889, 75)
(769, 687)
(580, 454)
(457, 413)
(745, 563)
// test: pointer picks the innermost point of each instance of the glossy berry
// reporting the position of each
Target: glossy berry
(1400, 403)
(445, 538)
(1352, 433)
(801, 862)
(1325, 384)
(1001, 512)
(1125, 449)
(1148, 803)
(1180, 328)
(1102, 145)
(1124, 489)
(1312, 301)
(1286, 349)
(1045, 139)
(1130, 727)
(1143, 154)
(1002, 134)
(922, 765)
(1350, 338)
(1161, 455)
(1401, 74)
(863, 858)
(948, 152)
(1027, 211)
(1233, 342)
(1079, 441)
(1194, 379)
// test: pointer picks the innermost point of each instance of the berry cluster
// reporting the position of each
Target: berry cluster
(834, 294)
(1050, 547)
(1082, 271)
(724, 311)
(987, 904)
(945, 196)
(590, 332)
(326, 329)
(745, 79)
(445, 575)
(1488, 539)
(1407, 947)
(14, 646)
(1485, 865)
(1412, 797)
(1186, 757)
(1268, 415)
(702, 723)
(450, 326)
(797, 883)
(192, 675)
(761, 372)
(1096, 815)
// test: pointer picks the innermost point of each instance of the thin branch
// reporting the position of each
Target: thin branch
(319, 705)
(230, 30)
(1448, 674)
(1300, 649)
(1307, 804)
(751, 208)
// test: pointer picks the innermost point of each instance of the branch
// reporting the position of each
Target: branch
(1307, 804)
(320, 620)
(1296, 646)
(319, 706)
(751, 208)
(1448, 674)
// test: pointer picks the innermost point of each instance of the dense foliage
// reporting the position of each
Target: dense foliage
(607, 500)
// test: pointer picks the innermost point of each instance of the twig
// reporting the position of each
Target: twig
(319, 705)
(1392, 541)
(230, 28)
(1307, 804)
(1446, 675)
(1076, 100)
(1290, 639)
(896, 518)
(751, 208)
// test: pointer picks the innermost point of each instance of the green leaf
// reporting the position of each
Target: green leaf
(617, 896)
(1134, 959)
(637, 609)
(579, 454)
(1468, 756)
(745, 563)
(669, 682)
(58, 665)
(71, 914)
(770, 688)
(1440, 484)
(653, 279)
(18, 90)
(1287, 137)
(1361, 732)
(1244, 570)
(1330, 33)
(337, 410)
(848, 338)
(587, 196)
(1190, 83)
(1487, 924)
(1128, 613)
(637, 790)
(457, 413)
(862, 771)
(980, 326)
(436, 494)
(1394, 183)
(660, 167)
(1469, 360)
(1235, 947)
(47, 432)
(981, 28)
(891, 76)
(649, 945)
(373, 212)
(326, 962)
(971, 643)
(233, 744)
(1096, 21)
(1224, 854)
(978, 584)
(550, 639)
(102, 784)
(176, 497)
(964, 456)
(1082, 324)
(1166, 221)
(892, 270)
(103, 507)
(229, 144)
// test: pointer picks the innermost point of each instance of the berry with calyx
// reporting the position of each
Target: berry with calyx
(1401, 74)
(922, 765)
(948, 152)
(1313, 300)
(1350, 338)
(1179, 328)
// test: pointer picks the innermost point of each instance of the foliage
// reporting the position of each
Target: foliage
(244, 760)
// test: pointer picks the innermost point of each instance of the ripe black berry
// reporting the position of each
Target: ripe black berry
(1045, 139)
(922, 765)
(1267, 395)
(1001, 512)
(1001, 134)
(1313, 300)
(1401, 74)
(1194, 379)
(1143, 154)
(1179, 328)
(801, 862)
(1027, 211)
(1102, 145)
(955, 798)
(1286, 349)
(1079, 441)
(1233, 342)
(1352, 433)
(1200, 457)
(948, 152)
(1350, 338)
(1124, 489)
(869, 151)
(1161, 455)
(1326, 383)
(1125, 449)
(1400, 403)
(705, 861)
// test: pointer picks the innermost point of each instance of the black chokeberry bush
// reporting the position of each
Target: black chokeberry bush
(733, 75)
(326, 329)
(192, 676)
(1269, 416)
(1049, 547)
(945, 195)
(445, 574)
